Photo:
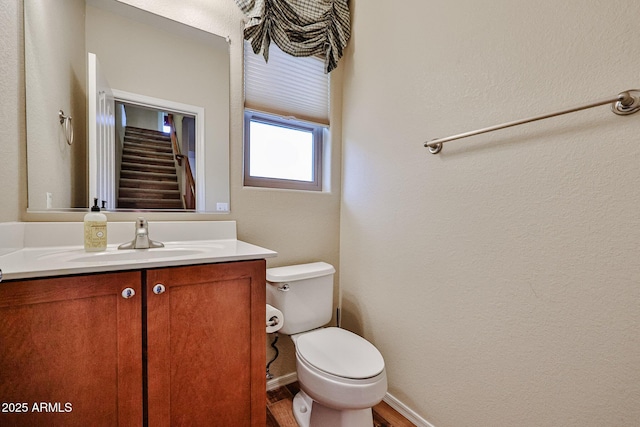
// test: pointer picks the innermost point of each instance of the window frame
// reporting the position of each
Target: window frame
(289, 123)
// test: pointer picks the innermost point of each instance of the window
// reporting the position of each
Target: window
(286, 115)
(282, 153)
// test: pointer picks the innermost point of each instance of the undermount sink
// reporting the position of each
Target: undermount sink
(111, 255)
(136, 254)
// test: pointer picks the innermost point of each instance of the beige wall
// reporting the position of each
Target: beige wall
(56, 80)
(13, 175)
(501, 278)
(142, 117)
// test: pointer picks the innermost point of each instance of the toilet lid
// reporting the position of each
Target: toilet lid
(340, 352)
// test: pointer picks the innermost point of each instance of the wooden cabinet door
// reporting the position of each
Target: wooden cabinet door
(206, 345)
(70, 351)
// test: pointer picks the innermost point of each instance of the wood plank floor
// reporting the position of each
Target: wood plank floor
(280, 414)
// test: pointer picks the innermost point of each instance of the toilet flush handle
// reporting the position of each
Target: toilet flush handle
(284, 288)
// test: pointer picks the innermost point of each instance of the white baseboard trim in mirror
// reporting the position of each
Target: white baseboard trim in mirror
(403, 409)
(406, 412)
(280, 381)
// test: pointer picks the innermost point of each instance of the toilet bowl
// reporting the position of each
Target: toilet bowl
(341, 374)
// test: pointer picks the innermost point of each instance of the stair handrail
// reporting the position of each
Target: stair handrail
(189, 195)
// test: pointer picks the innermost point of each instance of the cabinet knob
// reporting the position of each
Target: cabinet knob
(159, 289)
(128, 293)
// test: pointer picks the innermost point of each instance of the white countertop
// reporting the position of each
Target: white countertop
(31, 250)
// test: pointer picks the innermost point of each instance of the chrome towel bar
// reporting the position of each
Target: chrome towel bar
(625, 103)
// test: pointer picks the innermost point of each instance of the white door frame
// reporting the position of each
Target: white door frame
(101, 133)
(192, 110)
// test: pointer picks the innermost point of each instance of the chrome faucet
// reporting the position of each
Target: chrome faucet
(141, 239)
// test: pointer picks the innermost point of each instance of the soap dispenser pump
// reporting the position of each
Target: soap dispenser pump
(95, 229)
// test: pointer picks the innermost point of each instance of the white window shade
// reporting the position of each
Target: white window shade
(287, 86)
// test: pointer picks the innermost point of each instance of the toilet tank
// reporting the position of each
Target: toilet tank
(304, 294)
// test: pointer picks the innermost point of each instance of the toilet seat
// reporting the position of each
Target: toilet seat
(340, 353)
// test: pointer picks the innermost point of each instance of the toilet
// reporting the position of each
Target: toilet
(341, 375)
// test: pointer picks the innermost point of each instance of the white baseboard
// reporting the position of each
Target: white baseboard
(403, 409)
(406, 412)
(283, 380)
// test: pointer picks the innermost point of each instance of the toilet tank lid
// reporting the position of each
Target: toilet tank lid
(299, 272)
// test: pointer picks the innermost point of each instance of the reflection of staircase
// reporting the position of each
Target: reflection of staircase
(148, 177)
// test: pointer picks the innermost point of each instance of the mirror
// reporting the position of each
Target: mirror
(148, 61)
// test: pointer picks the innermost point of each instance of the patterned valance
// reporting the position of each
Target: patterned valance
(298, 27)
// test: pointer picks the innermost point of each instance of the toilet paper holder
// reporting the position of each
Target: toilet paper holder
(273, 321)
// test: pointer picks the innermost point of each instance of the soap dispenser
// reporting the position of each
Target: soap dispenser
(95, 229)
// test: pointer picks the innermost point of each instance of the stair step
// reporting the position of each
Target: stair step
(135, 203)
(142, 183)
(151, 132)
(149, 158)
(159, 148)
(139, 129)
(146, 193)
(147, 141)
(147, 167)
(147, 154)
(153, 176)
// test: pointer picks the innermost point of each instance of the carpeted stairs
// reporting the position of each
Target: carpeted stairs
(148, 175)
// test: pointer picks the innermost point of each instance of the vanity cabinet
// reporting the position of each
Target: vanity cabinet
(70, 351)
(158, 347)
(206, 345)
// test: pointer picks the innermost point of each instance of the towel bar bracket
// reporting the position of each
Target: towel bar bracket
(434, 149)
(628, 103)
